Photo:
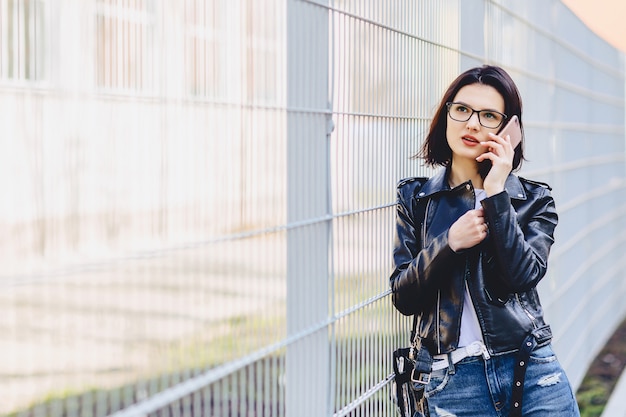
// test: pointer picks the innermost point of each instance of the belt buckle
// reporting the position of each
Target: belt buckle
(422, 378)
(477, 349)
(474, 349)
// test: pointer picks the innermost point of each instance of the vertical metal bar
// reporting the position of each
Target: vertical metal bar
(124, 57)
(3, 43)
(107, 40)
(144, 81)
(307, 198)
(20, 38)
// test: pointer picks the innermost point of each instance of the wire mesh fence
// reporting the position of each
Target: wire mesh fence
(199, 196)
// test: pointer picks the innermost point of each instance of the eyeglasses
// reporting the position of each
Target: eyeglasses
(488, 118)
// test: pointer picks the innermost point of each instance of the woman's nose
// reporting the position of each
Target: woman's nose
(474, 121)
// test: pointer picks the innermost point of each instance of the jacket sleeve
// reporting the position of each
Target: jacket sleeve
(413, 281)
(521, 252)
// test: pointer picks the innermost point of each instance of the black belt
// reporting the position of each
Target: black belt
(537, 337)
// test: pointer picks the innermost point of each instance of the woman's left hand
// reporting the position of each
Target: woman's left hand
(500, 152)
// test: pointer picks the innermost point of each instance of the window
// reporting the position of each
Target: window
(233, 50)
(124, 40)
(203, 66)
(22, 36)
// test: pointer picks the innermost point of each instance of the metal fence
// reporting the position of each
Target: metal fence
(198, 196)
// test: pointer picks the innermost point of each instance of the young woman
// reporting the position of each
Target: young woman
(472, 242)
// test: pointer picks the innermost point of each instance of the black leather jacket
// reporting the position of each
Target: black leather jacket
(501, 272)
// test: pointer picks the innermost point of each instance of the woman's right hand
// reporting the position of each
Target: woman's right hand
(468, 231)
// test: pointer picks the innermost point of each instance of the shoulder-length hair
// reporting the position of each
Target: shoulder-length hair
(435, 150)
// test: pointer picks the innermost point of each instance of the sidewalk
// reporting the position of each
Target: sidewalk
(616, 407)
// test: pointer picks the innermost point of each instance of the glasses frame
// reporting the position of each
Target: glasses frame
(450, 103)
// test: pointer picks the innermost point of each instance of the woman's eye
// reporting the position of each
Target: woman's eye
(489, 115)
(461, 109)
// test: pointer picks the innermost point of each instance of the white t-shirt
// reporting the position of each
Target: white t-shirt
(470, 328)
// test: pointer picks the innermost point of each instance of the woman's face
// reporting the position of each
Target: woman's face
(464, 137)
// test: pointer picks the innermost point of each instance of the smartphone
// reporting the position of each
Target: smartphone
(512, 129)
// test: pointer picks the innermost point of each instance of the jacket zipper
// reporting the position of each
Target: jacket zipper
(438, 335)
(530, 316)
(438, 291)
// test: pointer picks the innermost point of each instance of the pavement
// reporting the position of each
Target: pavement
(616, 406)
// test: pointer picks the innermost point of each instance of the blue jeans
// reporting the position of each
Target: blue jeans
(478, 388)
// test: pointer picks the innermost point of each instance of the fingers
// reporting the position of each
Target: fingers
(481, 225)
(500, 139)
(468, 231)
(498, 144)
(501, 154)
(478, 226)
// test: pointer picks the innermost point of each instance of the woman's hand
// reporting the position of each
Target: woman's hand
(468, 231)
(500, 152)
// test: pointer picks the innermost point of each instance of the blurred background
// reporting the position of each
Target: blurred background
(198, 196)
(604, 17)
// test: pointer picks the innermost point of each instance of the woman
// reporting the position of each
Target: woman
(472, 242)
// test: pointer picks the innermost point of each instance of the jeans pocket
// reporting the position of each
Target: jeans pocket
(438, 381)
(543, 354)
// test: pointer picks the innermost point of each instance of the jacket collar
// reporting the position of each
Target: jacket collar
(439, 183)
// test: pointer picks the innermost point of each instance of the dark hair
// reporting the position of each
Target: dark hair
(435, 150)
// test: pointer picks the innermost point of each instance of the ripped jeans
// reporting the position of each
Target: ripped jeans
(475, 387)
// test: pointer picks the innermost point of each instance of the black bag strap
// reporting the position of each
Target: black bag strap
(414, 329)
(414, 336)
(402, 379)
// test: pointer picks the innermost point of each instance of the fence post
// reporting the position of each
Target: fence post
(308, 201)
